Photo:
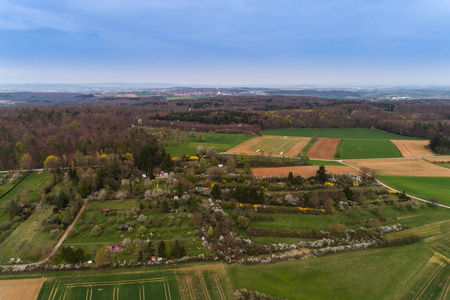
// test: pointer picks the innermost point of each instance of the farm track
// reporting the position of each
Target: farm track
(62, 239)
(385, 185)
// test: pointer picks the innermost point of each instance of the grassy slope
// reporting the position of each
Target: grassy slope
(355, 149)
(371, 274)
(411, 218)
(422, 187)
(24, 235)
(350, 133)
(32, 185)
(222, 142)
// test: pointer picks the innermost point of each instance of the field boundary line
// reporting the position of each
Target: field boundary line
(203, 283)
(445, 290)
(191, 290)
(385, 185)
(84, 284)
(219, 287)
(430, 280)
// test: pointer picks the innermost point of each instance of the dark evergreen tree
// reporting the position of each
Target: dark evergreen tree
(162, 249)
(215, 192)
(165, 207)
(321, 175)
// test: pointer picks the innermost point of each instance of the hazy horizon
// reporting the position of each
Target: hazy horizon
(235, 42)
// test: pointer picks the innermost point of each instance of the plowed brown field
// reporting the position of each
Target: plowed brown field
(410, 148)
(323, 149)
(305, 171)
(26, 289)
(273, 145)
(402, 167)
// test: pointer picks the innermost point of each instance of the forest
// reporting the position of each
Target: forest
(29, 134)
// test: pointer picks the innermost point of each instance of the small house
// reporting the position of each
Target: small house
(106, 211)
(117, 248)
(175, 197)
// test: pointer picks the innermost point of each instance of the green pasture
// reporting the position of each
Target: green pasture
(6, 184)
(23, 237)
(422, 187)
(357, 149)
(411, 218)
(325, 163)
(346, 133)
(32, 186)
(221, 141)
(370, 274)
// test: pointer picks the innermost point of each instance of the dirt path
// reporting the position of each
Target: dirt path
(63, 237)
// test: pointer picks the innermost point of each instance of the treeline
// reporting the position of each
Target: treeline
(28, 135)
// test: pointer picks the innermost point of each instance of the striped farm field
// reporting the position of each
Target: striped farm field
(203, 282)
(272, 145)
(402, 167)
(323, 149)
(305, 171)
(410, 148)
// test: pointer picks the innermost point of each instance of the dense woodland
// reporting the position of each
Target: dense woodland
(29, 134)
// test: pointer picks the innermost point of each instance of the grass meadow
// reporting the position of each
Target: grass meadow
(346, 133)
(222, 142)
(315, 162)
(410, 218)
(22, 239)
(386, 273)
(31, 187)
(422, 187)
(356, 149)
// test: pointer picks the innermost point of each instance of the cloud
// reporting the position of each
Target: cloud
(17, 17)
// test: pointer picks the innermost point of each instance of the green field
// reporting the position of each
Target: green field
(346, 133)
(31, 186)
(369, 274)
(315, 162)
(422, 187)
(222, 142)
(356, 149)
(149, 283)
(23, 237)
(5, 185)
(410, 218)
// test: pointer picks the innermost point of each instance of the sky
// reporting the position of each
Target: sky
(226, 42)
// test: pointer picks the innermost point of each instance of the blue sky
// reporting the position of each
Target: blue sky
(241, 42)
